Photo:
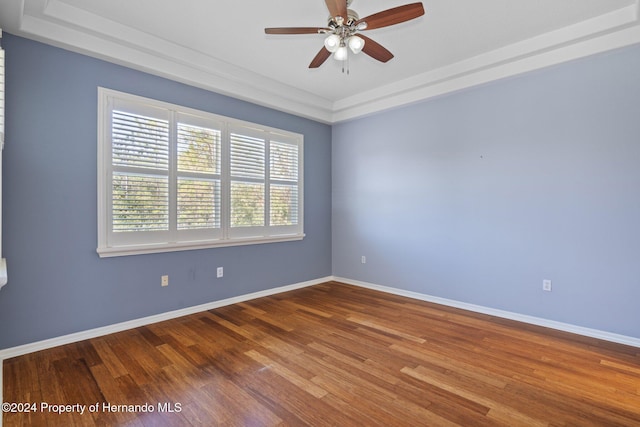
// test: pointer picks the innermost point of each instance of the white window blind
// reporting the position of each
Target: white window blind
(284, 197)
(199, 176)
(247, 181)
(172, 178)
(140, 179)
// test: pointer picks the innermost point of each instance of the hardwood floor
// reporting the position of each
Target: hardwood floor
(330, 354)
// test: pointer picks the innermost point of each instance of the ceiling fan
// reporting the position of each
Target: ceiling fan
(343, 30)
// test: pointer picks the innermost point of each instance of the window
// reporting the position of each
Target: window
(171, 178)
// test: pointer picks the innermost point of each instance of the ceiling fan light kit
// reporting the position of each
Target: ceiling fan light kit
(343, 27)
(332, 43)
(338, 46)
(356, 44)
(341, 54)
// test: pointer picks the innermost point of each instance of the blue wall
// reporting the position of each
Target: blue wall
(57, 283)
(476, 196)
(480, 195)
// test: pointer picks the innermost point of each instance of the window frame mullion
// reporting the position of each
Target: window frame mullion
(267, 180)
(173, 176)
(225, 182)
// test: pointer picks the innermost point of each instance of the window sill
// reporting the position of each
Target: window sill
(107, 252)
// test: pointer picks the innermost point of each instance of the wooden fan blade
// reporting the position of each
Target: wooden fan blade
(337, 8)
(294, 30)
(393, 16)
(320, 58)
(375, 49)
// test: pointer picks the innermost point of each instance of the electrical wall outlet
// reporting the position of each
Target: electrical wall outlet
(546, 285)
(363, 259)
(164, 280)
(219, 272)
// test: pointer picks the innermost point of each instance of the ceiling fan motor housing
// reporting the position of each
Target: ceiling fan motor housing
(335, 22)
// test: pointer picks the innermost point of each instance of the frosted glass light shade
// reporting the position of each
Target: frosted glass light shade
(332, 43)
(356, 44)
(341, 54)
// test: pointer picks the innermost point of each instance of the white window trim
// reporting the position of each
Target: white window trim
(229, 236)
(3, 262)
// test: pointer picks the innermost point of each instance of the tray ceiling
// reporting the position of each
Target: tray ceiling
(221, 46)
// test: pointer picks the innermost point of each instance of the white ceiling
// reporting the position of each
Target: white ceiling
(221, 45)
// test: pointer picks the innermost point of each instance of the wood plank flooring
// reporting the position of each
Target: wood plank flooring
(330, 355)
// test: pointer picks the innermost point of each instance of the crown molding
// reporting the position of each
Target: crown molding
(59, 24)
(606, 32)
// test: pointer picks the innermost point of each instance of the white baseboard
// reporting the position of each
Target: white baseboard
(97, 332)
(105, 330)
(565, 327)
(118, 327)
